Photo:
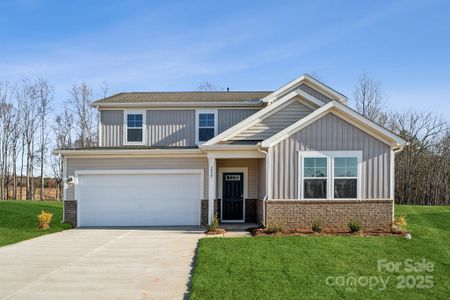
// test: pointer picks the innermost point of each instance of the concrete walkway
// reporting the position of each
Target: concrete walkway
(151, 263)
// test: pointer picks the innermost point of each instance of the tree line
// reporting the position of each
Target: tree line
(30, 128)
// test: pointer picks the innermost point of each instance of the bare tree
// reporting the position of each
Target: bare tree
(368, 98)
(209, 87)
(44, 94)
(6, 123)
(84, 115)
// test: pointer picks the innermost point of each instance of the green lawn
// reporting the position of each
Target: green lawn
(18, 219)
(298, 267)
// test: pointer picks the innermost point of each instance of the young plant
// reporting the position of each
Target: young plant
(399, 222)
(214, 224)
(316, 226)
(44, 219)
(354, 225)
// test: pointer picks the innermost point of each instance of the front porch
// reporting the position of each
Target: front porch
(236, 190)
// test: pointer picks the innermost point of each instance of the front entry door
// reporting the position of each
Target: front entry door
(233, 197)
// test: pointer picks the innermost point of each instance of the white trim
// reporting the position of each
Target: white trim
(100, 131)
(261, 115)
(125, 126)
(176, 105)
(354, 118)
(131, 152)
(392, 175)
(313, 83)
(137, 172)
(212, 178)
(235, 154)
(243, 170)
(197, 121)
(330, 155)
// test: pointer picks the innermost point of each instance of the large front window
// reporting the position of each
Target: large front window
(315, 177)
(330, 175)
(206, 126)
(135, 128)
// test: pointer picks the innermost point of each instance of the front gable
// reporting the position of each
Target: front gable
(287, 115)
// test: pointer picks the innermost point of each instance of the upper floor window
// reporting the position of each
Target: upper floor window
(206, 127)
(134, 129)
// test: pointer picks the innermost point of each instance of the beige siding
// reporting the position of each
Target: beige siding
(111, 128)
(251, 164)
(170, 127)
(331, 133)
(74, 164)
(289, 114)
(230, 117)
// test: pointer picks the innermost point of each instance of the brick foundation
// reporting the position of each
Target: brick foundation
(333, 214)
(70, 212)
(251, 210)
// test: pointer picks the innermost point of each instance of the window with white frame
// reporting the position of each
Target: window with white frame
(330, 174)
(315, 178)
(206, 125)
(134, 128)
(345, 177)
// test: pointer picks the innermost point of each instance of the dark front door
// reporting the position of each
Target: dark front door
(233, 197)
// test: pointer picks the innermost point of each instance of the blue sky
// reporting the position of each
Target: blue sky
(244, 45)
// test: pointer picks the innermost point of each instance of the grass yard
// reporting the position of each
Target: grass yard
(300, 267)
(18, 219)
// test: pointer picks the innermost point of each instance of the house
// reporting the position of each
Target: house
(287, 157)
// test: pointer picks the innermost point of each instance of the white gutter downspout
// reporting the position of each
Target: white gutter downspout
(394, 151)
(266, 185)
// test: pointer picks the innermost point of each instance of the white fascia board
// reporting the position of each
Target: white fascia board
(312, 82)
(130, 152)
(262, 114)
(176, 104)
(350, 115)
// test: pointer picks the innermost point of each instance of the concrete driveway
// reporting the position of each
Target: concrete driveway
(86, 264)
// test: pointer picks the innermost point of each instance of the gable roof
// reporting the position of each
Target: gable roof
(345, 113)
(176, 97)
(262, 114)
(310, 81)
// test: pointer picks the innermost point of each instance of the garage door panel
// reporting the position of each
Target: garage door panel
(139, 199)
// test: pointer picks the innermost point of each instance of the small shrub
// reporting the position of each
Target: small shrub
(399, 222)
(44, 219)
(275, 228)
(214, 224)
(354, 225)
(316, 226)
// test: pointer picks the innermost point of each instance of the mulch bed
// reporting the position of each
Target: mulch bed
(218, 231)
(266, 232)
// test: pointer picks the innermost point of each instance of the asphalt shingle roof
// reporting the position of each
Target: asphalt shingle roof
(143, 97)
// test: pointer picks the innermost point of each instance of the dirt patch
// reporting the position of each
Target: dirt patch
(218, 231)
(267, 232)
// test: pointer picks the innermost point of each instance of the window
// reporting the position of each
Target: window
(329, 174)
(206, 125)
(315, 177)
(345, 177)
(134, 133)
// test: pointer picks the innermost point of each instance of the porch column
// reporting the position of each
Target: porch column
(211, 187)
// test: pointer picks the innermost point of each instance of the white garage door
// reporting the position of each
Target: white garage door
(153, 198)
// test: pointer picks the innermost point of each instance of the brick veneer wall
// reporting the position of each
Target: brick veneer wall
(70, 212)
(333, 214)
(251, 210)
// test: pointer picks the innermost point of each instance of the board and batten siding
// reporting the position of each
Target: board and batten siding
(111, 128)
(306, 88)
(171, 127)
(138, 163)
(331, 133)
(289, 114)
(230, 117)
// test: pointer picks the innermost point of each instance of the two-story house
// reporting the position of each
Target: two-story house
(287, 157)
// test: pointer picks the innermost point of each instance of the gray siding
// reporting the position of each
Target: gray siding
(111, 128)
(170, 127)
(331, 133)
(313, 92)
(289, 114)
(140, 163)
(251, 164)
(262, 178)
(230, 117)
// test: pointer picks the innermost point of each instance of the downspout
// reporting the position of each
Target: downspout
(266, 185)
(394, 151)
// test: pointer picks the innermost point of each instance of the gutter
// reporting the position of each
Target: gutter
(266, 185)
(177, 104)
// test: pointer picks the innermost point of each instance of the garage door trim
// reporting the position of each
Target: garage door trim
(137, 172)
